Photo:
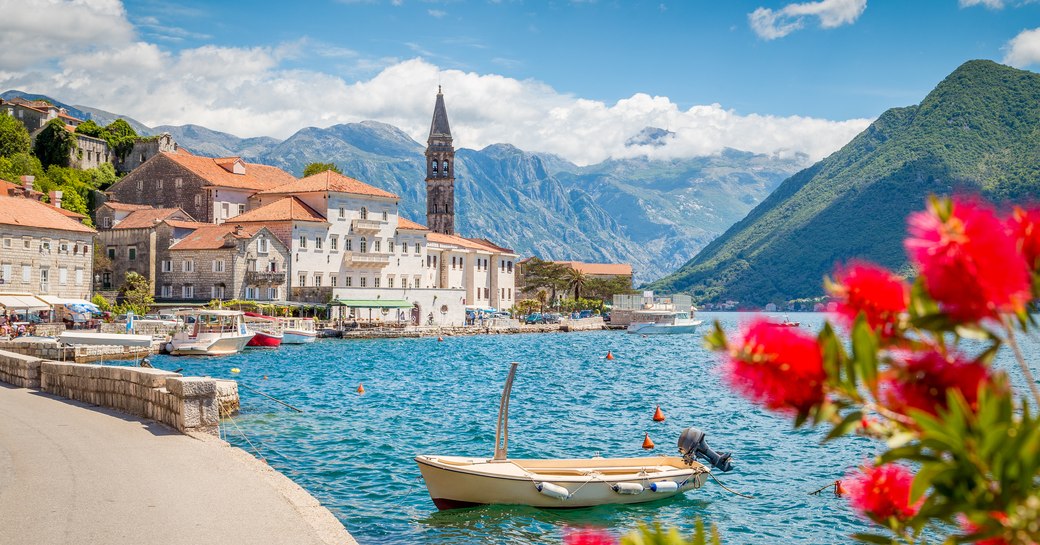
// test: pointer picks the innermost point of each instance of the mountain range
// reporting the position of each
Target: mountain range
(977, 132)
(653, 214)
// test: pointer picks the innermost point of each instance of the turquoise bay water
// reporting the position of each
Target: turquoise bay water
(355, 453)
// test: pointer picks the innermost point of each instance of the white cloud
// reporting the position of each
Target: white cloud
(772, 24)
(34, 31)
(991, 4)
(1024, 49)
(254, 92)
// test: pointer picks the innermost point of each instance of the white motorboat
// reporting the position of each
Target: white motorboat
(657, 322)
(456, 481)
(209, 333)
(297, 330)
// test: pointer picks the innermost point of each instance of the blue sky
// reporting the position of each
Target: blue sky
(577, 78)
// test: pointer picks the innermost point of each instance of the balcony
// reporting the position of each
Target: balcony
(265, 277)
(366, 226)
(369, 259)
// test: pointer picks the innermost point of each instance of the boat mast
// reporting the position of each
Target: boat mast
(502, 432)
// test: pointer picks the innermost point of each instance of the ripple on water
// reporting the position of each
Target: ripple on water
(354, 452)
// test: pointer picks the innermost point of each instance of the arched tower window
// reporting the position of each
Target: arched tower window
(364, 244)
(435, 164)
(445, 168)
(364, 213)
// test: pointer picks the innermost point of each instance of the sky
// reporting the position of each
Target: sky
(577, 78)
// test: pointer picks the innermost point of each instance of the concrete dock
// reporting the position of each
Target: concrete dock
(73, 473)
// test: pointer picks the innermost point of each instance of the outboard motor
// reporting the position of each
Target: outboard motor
(692, 444)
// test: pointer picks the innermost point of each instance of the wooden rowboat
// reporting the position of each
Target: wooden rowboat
(455, 481)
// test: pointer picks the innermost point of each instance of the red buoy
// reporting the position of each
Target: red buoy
(610, 356)
(647, 443)
(360, 389)
(440, 339)
(839, 489)
(658, 415)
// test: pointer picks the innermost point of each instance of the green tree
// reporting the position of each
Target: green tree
(120, 137)
(13, 137)
(315, 168)
(20, 164)
(576, 280)
(137, 294)
(54, 144)
(90, 128)
(539, 274)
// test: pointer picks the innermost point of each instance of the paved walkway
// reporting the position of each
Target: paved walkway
(71, 473)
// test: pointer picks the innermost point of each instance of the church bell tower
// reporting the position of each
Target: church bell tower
(440, 172)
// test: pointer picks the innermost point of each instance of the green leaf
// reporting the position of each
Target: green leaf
(865, 351)
(873, 538)
(716, 339)
(850, 421)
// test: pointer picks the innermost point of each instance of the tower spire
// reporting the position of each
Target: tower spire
(440, 172)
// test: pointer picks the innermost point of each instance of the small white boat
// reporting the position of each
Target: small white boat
(659, 322)
(455, 481)
(209, 333)
(298, 330)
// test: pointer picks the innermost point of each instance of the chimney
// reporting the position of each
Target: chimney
(238, 230)
(56, 198)
(27, 184)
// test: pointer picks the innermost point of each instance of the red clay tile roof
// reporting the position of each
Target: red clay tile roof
(257, 177)
(186, 224)
(464, 243)
(285, 209)
(126, 207)
(140, 219)
(410, 225)
(212, 237)
(490, 244)
(23, 212)
(7, 187)
(606, 269)
(68, 213)
(329, 181)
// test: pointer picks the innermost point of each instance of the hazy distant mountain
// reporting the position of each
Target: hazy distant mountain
(977, 132)
(654, 214)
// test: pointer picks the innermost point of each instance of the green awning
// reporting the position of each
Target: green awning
(372, 303)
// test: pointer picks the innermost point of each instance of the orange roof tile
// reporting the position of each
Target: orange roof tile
(141, 219)
(68, 213)
(330, 181)
(186, 224)
(126, 207)
(257, 177)
(462, 242)
(410, 225)
(23, 212)
(490, 244)
(212, 237)
(285, 209)
(605, 269)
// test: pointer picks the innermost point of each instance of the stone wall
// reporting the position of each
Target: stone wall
(594, 323)
(20, 370)
(52, 349)
(227, 398)
(32, 260)
(144, 149)
(163, 183)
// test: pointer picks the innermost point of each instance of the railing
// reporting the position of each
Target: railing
(366, 226)
(366, 259)
(265, 277)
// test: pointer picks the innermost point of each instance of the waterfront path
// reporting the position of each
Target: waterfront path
(73, 473)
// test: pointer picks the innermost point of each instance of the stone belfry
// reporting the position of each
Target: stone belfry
(440, 172)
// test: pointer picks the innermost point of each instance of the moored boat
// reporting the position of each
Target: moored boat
(456, 481)
(209, 333)
(266, 339)
(266, 332)
(657, 322)
(298, 330)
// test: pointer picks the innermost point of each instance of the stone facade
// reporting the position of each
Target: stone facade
(143, 150)
(163, 183)
(91, 152)
(46, 261)
(440, 173)
(249, 265)
(140, 250)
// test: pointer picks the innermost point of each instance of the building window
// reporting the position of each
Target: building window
(348, 244)
(167, 265)
(272, 266)
(188, 292)
(26, 273)
(418, 250)
(140, 185)
(224, 209)
(375, 282)
(386, 216)
(218, 265)
(178, 182)
(317, 243)
(364, 282)
(79, 277)
(252, 293)
(45, 246)
(167, 291)
(6, 276)
(418, 282)
(364, 213)
(390, 246)
(364, 245)
(342, 213)
(509, 267)
(334, 243)
(188, 265)
(317, 280)
(198, 201)
(404, 248)
(45, 276)
(251, 265)
(131, 253)
(333, 280)
(272, 293)
(217, 292)
(348, 281)
(106, 280)
(7, 243)
(111, 252)
(262, 245)
(303, 242)
(303, 280)
(160, 184)
(389, 281)
(376, 246)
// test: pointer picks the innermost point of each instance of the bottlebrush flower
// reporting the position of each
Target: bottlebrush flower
(780, 367)
(589, 536)
(882, 492)
(1025, 226)
(969, 261)
(921, 380)
(969, 527)
(873, 290)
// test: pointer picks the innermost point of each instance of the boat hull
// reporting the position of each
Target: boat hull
(294, 336)
(265, 340)
(455, 482)
(664, 329)
(219, 347)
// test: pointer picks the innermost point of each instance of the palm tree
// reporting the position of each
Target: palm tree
(576, 280)
(542, 297)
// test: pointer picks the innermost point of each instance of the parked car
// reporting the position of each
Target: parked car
(534, 318)
(551, 318)
(585, 314)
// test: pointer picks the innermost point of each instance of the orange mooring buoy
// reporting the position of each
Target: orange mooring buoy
(647, 443)
(360, 388)
(610, 356)
(658, 415)
(440, 339)
(839, 489)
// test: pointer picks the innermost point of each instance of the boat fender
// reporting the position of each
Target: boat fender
(553, 490)
(628, 488)
(664, 486)
(169, 347)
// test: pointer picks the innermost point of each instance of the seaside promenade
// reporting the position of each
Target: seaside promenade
(74, 473)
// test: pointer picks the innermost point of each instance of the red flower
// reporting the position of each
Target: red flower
(589, 536)
(922, 380)
(780, 367)
(969, 527)
(1025, 226)
(970, 263)
(873, 290)
(882, 492)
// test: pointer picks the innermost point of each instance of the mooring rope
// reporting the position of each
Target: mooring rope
(244, 436)
(727, 489)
